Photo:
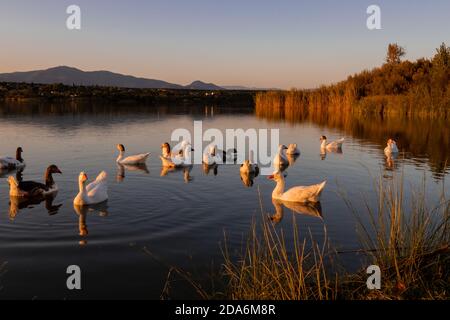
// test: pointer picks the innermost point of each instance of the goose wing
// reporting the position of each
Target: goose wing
(304, 193)
(98, 189)
(138, 158)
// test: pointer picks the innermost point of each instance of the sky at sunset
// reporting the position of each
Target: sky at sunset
(255, 43)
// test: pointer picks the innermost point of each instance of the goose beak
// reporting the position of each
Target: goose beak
(270, 177)
(58, 171)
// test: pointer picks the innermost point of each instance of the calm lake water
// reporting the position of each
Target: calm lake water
(181, 224)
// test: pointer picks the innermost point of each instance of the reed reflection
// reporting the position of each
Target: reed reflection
(376, 129)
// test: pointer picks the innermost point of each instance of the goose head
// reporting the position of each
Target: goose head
(282, 147)
(121, 147)
(323, 138)
(246, 164)
(165, 147)
(19, 152)
(82, 178)
(53, 169)
(277, 176)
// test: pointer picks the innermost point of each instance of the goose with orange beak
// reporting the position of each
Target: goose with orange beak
(93, 193)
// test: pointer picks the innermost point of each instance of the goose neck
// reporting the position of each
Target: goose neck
(120, 157)
(279, 189)
(48, 178)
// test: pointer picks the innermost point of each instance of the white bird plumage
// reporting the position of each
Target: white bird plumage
(249, 166)
(292, 149)
(334, 145)
(180, 159)
(296, 194)
(391, 147)
(130, 160)
(93, 193)
(280, 160)
(11, 163)
(210, 157)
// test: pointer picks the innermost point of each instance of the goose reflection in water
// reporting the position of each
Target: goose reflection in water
(324, 152)
(4, 173)
(292, 158)
(212, 167)
(248, 178)
(82, 212)
(308, 209)
(121, 168)
(17, 203)
(186, 172)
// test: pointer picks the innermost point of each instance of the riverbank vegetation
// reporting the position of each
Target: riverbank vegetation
(29, 92)
(408, 241)
(418, 88)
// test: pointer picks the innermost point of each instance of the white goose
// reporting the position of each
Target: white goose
(181, 159)
(131, 160)
(11, 163)
(211, 157)
(93, 193)
(391, 147)
(280, 159)
(249, 166)
(292, 150)
(167, 152)
(334, 145)
(302, 194)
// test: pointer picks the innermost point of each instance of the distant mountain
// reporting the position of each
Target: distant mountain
(69, 76)
(199, 85)
(247, 88)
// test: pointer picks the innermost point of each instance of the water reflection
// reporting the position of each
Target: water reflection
(17, 203)
(248, 178)
(82, 211)
(324, 152)
(431, 144)
(214, 168)
(308, 209)
(174, 170)
(7, 172)
(121, 168)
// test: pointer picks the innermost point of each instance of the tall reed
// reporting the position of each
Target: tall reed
(408, 241)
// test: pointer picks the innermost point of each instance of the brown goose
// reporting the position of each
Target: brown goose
(30, 189)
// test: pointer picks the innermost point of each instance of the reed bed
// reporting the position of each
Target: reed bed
(408, 241)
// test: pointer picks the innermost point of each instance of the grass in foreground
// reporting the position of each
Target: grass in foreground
(408, 241)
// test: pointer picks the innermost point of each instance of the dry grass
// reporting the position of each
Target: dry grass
(409, 242)
(267, 271)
